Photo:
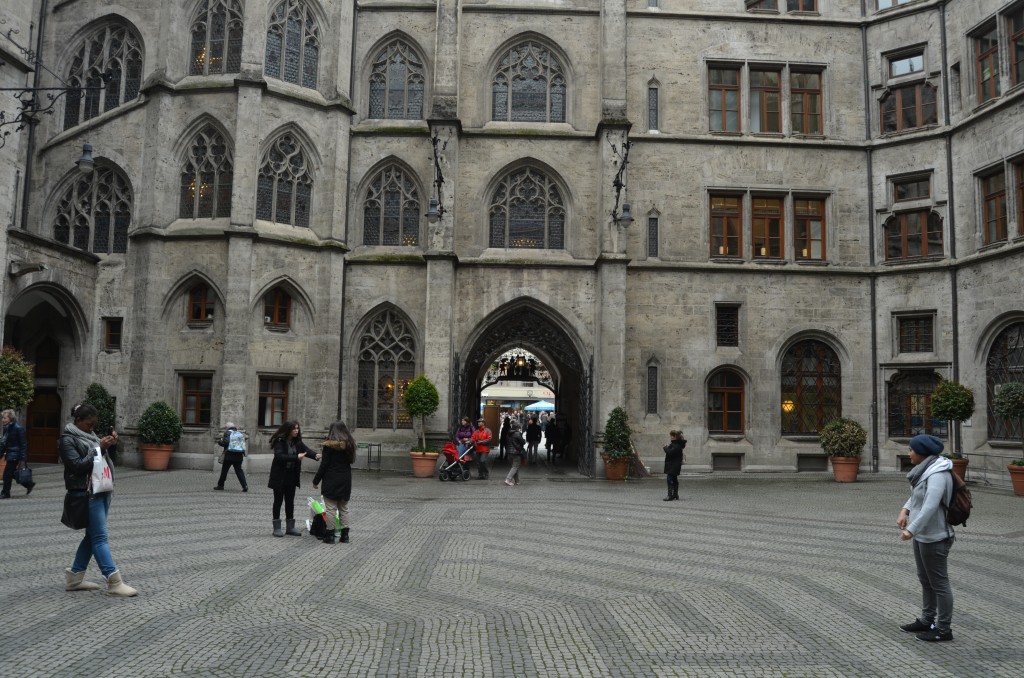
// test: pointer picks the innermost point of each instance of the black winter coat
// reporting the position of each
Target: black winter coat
(335, 470)
(674, 457)
(15, 448)
(286, 467)
(77, 456)
(515, 438)
(533, 433)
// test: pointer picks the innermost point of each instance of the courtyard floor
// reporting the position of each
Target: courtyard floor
(786, 575)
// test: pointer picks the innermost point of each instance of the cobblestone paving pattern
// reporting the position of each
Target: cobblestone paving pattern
(746, 576)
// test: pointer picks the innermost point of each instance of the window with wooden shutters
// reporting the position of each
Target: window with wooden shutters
(993, 189)
(724, 99)
(986, 59)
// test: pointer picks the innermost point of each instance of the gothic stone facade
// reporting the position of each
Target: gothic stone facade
(826, 211)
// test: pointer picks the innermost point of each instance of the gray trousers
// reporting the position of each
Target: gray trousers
(936, 593)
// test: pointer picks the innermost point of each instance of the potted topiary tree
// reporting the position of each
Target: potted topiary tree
(421, 400)
(1009, 403)
(617, 447)
(953, 402)
(159, 429)
(105, 405)
(17, 387)
(843, 440)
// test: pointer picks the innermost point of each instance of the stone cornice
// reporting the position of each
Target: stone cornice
(58, 247)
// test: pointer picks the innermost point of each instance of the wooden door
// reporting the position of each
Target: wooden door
(43, 427)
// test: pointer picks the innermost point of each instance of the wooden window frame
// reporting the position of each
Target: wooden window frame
(1016, 66)
(203, 303)
(915, 333)
(739, 392)
(720, 92)
(998, 196)
(722, 244)
(901, 220)
(760, 93)
(113, 330)
(268, 397)
(896, 58)
(761, 217)
(195, 390)
(801, 6)
(803, 247)
(898, 95)
(763, 5)
(277, 310)
(805, 93)
(906, 181)
(991, 57)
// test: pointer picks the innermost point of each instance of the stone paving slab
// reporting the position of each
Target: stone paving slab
(788, 575)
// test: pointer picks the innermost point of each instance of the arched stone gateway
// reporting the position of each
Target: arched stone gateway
(541, 332)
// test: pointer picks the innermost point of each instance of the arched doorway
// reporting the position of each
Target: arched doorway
(532, 328)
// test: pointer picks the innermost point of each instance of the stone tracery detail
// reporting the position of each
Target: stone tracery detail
(396, 83)
(284, 189)
(216, 37)
(391, 210)
(1005, 365)
(293, 44)
(94, 212)
(114, 48)
(387, 364)
(527, 212)
(529, 86)
(206, 177)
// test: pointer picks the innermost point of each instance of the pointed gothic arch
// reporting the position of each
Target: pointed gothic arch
(396, 75)
(181, 287)
(391, 204)
(528, 206)
(385, 350)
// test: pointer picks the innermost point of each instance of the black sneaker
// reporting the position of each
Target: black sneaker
(219, 487)
(917, 626)
(935, 636)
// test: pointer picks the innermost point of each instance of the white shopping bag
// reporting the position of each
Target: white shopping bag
(101, 480)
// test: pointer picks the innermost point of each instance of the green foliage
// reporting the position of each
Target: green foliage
(616, 436)
(952, 401)
(1009, 403)
(1017, 462)
(100, 398)
(421, 400)
(843, 438)
(160, 425)
(17, 387)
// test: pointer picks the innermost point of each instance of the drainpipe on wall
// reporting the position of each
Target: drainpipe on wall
(348, 188)
(871, 250)
(31, 147)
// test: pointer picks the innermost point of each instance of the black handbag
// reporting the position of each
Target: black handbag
(76, 510)
(23, 476)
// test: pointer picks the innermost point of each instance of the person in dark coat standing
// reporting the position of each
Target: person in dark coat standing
(533, 436)
(506, 428)
(338, 453)
(231, 458)
(674, 463)
(289, 451)
(551, 439)
(15, 450)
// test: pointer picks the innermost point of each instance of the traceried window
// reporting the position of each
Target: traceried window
(387, 364)
(95, 211)
(724, 99)
(284, 189)
(396, 83)
(1005, 365)
(765, 102)
(529, 86)
(767, 228)
(805, 104)
(217, 37)
(726, 226)
(391, 209)
(811, 388)
(809, 229)
(115, 48)
(909, 107)
(911, 235)
(293, 44)
(986, 59)
(200, 305)
(1015, 31)
(277, 310)
(910, 405)
(196, 396)
(916, 334)
(726, 403)
(993, 190)
(527, 212)
(206, 177)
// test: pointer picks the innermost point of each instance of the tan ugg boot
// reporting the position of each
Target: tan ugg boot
(75, 581)
(117, 587)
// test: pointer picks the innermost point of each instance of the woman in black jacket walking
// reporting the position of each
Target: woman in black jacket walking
(674, 463)
(336, 459)
(289, 451)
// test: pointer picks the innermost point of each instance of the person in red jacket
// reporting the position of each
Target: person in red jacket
(482, 445)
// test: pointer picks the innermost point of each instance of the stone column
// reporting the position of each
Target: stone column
(445, 95)
(254, 37)
(613, 60)
(610, 354)
(237, 378)
(246, 158)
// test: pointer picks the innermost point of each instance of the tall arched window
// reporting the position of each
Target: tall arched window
(811, 388)
(115, 48)
(1005, 365)
(726, 403)
(95, 211)
(391, 210)
(396, 83)
(387, 363)
(206, 177)
(528, 86)
(527, 212)
(216, 37)
(910, 405)
(284, 189)
(293, 44)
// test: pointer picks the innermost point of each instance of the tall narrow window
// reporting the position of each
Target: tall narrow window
(396, 83)
(725, 403)
(652, 108)
(200, 305)
(112, 334)
(767, 228)
(993, 188)
(391, 210)
(809, 229)
(911, 235)
(273, 402)
(765, 102)
(277, 310)
(652, 389)
(1019, 171)
(1015, 29)
(217, 37)
(284, 189)
(293, 44)
(909, 107)
(196, 395)
(114, 49)
(726, 225)
(805, 93)
(986, 57)
(527, 212)
(910, 405)
(916, 334)
(724, 99)
(727, 325)
(95, 212)
(529, 86)
(387, 364)
(811, 388)
(652, 236)
(206, 177)
(1005, 365)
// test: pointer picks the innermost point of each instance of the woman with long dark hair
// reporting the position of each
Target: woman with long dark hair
(338, 453)
(289, 451)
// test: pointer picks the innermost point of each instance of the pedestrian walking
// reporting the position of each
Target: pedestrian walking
(79, 447)
(482, 447)
(15, 451)
(551, 439)
(337, 454)
(517, 450)
(234, 443)
(533, 436)
(673, 463)
(503, 433)
(923, 520)
(285, 470)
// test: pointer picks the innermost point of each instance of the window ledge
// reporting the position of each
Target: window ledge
(913, 260)
(770, 262)
(724, 133)
(758, 10)
(768, 135)
(906, 131)
(278, 329)
(801, 438)
(995, 245)
(516, 126)
(727, 437)
(985, 104)
(726, 259)
(811, 262)
(200, 324)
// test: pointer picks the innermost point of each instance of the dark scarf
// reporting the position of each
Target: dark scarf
(914, 476)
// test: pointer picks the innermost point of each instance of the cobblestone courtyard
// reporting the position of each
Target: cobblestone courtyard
(762, 576)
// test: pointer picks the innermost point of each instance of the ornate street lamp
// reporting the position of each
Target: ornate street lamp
(436, 209)
(618, 183)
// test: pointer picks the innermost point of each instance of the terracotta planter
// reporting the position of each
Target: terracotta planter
(423, 464)
(845, 469)
(156, 457)
(1017, 476)
(960, 468)
(615, 469)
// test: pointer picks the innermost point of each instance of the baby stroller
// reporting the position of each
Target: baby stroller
(454, 466)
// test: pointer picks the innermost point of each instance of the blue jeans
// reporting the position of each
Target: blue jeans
(95, 543)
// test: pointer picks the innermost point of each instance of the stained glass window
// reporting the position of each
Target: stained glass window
(811, 388)
(116, 49)
(1005, 365)
(910, 405)
(396, 83)
(391, 210)
(284, 188)
(529, 86)
(95, 211)
(387, 364)
(527, 212)
(206, 177)
(216, 37)
(293, 44)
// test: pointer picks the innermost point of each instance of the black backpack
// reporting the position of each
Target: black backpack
(959, 509)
